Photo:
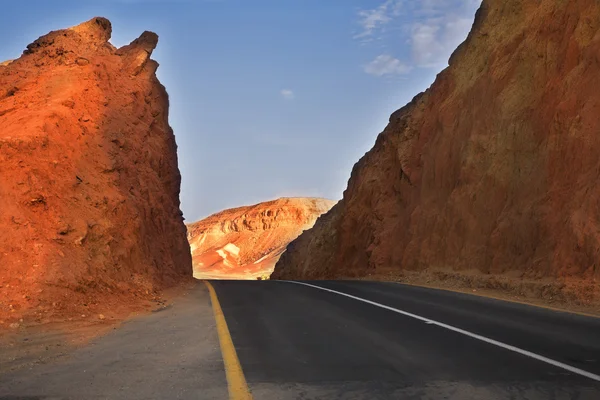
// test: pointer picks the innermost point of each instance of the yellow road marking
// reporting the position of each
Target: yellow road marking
(236, 382)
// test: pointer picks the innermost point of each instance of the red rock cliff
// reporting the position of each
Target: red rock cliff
(89, 183)
(494, 168)
(246, 242)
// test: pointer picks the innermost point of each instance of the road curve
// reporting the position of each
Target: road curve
(338, 340)
(296, 341)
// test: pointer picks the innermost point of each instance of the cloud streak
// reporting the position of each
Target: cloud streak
(434, 39)
(371, 20)
(427, 30)
(287, 94)
(386, 65)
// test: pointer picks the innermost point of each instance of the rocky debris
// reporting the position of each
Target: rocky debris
(246, 242)
(89, 188)
(493, 169)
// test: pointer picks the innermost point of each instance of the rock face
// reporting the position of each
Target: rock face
(493, 169)
(89, 183)
(246, 242)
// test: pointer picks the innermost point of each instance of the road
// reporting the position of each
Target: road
(353, 340)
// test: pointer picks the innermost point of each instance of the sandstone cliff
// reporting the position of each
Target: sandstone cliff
(492, 170)
(246, 242)
(89, 183)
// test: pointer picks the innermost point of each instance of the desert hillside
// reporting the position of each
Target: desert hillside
(492, 172)
(89, 188)
(246, 242)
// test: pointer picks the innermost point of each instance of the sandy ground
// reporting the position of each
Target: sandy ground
(32, 344)
(171, 353)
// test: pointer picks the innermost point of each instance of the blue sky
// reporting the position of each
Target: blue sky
(270, 98)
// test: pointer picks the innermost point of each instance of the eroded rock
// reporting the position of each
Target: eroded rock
(102, 236)
(246, 242)
(493, 169)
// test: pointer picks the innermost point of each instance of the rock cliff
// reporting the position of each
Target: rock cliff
(89, 183)
(493, 170)
(246, 242)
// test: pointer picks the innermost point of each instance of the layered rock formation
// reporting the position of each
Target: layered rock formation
(89, 183)
(493, 169)
(246, 242)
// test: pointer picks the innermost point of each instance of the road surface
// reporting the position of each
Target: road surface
(333, 340)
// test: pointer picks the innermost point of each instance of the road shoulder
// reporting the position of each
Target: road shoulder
(171, 353)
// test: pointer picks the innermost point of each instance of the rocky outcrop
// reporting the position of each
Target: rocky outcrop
(89, 183)
(246, 242)
(493, 169)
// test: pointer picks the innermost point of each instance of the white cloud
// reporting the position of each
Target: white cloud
(433, 40)
(371, 20)
(386, 65)
(431, 28)
(425, 43)
(287, 94)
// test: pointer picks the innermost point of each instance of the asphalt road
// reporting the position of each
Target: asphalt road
(300, 342)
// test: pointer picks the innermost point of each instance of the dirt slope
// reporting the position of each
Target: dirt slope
(492, 171)
(246, 242)
(89, 183)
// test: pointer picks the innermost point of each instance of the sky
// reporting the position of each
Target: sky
(270, 98)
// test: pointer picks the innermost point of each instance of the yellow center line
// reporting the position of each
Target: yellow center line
(236, 382)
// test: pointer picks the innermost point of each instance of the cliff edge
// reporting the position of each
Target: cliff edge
(89, 188)
(492, 172)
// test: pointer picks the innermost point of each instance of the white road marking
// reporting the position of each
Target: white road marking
(466, 333)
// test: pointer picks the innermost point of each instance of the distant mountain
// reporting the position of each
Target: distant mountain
(246, 242)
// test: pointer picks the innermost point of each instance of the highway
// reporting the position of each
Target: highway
(329, 340)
